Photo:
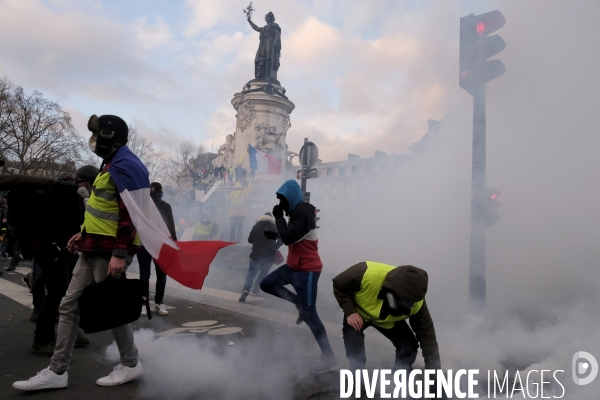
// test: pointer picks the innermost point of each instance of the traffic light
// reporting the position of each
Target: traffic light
(476, 46)
(485, 206)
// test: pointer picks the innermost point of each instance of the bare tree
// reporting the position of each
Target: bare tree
(37, 134)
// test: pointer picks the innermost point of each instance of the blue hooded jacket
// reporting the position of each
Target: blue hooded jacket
(292, 192)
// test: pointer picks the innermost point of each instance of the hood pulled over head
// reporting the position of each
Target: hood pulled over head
(292, 192)
(237, 186)
(407, 281)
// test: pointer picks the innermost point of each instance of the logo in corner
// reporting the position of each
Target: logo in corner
(584, 363)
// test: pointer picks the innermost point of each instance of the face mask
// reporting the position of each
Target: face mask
(156, 196)
(92, 144)
(83, 192)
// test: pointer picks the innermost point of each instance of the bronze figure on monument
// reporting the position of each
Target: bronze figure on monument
(266, 62)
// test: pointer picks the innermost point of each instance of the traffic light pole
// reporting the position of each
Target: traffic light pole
(477, 260)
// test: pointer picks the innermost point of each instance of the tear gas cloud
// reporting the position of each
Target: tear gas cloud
(542, 255)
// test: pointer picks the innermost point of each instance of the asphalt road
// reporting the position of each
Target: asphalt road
(209, 346)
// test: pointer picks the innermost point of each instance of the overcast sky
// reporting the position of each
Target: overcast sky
(364, 75)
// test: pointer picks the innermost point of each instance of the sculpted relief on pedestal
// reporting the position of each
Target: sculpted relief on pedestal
(245, 111)
(268, 140)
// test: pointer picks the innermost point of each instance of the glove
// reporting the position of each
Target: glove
(271, 235)
(277, 212)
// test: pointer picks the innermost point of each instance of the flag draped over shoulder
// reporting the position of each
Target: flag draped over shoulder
(261, 162)
(185, 262)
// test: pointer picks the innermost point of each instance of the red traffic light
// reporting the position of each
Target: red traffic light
(480, 28)
(493, 197)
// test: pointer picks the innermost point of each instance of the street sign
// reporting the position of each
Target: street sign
(311, 152)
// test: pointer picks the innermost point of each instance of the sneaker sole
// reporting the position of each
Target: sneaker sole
(119, 383)
(324, 371)
(56, 386)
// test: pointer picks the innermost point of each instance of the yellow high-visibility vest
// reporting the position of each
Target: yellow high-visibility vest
(367, 303)
(102, 209)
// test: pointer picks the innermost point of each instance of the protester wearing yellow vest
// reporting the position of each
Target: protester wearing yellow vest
(107, 243)
(237, 210)
(384, 296)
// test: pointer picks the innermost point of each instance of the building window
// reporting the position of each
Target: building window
(368, 168)
(329, 172)
(382, 167)
(341, 171)
(354, 169)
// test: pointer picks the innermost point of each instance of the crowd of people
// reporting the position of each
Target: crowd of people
(78, 230)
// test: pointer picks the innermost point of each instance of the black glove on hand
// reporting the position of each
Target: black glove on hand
(277, 211)
(271, 235)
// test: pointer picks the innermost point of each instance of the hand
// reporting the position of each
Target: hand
(4, 221)
(277, 211)
(73, 243)
(116, 266)
(271, 235)
(355, 321)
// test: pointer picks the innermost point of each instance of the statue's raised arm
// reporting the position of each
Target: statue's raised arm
(266, 62)
(253, 25)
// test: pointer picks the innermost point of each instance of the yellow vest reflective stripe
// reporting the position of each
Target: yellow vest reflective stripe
(367, 303)
(102, 209)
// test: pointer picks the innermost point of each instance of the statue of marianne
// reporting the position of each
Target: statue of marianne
(266, 63)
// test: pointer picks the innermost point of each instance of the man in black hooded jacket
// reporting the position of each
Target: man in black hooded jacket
(262, 255)
(384, 296)
(145, 259)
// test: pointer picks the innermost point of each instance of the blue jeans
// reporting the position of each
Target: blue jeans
(260, 268)
(145, 262)
(305, 298)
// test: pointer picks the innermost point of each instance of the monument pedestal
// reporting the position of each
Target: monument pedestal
(263, 119)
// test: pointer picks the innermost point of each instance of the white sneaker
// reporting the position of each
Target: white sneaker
(162, 309)
(121, 374)
(45, 379)
(144, 313)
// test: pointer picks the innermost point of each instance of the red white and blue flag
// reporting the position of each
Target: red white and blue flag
(261, 162)
(185, 262)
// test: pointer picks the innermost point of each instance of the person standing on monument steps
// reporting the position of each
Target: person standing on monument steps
(303, 266)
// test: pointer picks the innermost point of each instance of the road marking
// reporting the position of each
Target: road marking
(209, 325)
(15, 292)
(225, 331)
(200, 323)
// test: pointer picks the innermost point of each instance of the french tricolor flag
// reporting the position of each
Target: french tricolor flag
(185, 262)
(261, 162)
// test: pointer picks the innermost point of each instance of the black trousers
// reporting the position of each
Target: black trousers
(401, 336)
(57, 270)
(145, 263)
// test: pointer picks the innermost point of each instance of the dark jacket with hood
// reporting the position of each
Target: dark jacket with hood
(406, 281)
(167, 215)
(300, 233)
(263, 249)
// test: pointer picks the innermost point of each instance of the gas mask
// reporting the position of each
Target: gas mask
(109, 131)
(398, 305)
